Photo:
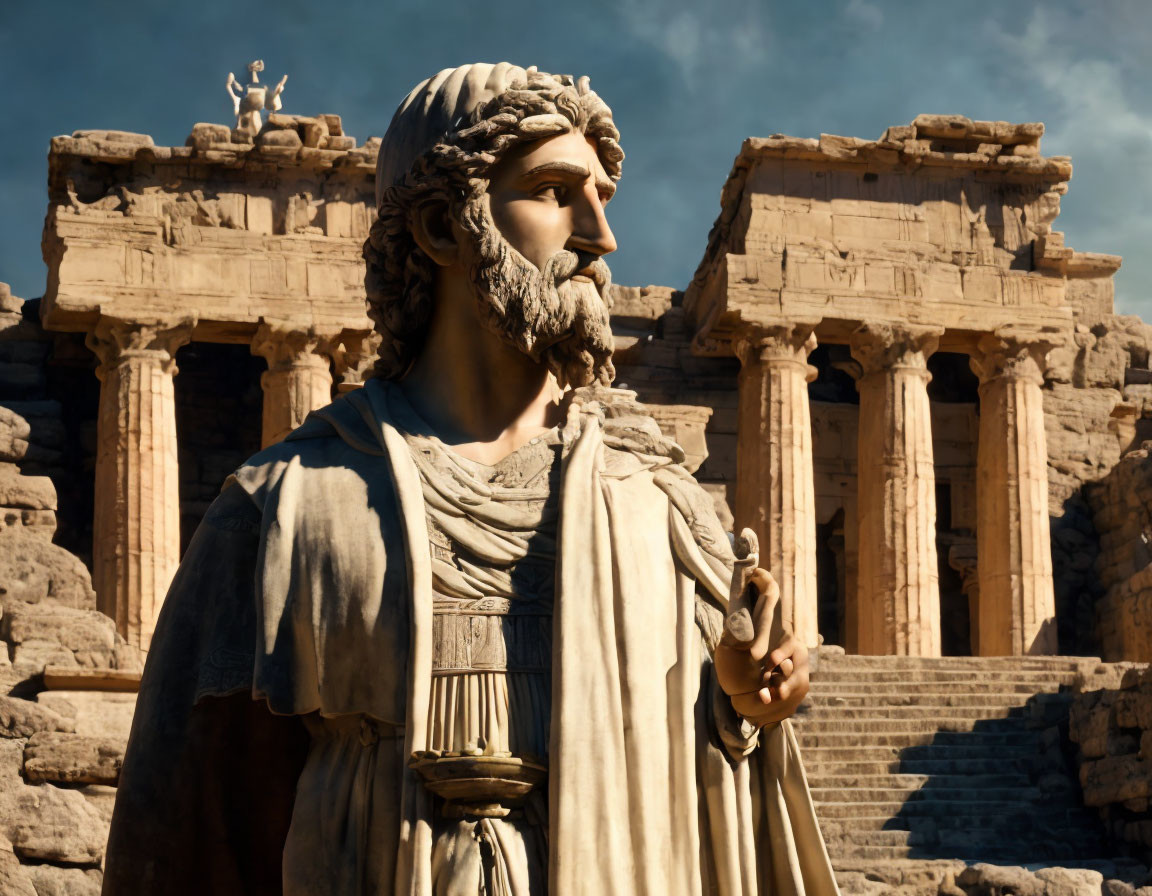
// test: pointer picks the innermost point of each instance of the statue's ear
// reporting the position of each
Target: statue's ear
(433, 232)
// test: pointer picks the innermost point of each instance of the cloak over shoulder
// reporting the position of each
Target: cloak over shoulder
(307, 589)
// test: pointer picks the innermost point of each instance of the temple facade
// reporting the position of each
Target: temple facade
(866, 368)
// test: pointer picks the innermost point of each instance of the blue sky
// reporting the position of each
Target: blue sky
(687, 80)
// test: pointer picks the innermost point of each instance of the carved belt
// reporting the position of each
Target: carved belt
(490, 635)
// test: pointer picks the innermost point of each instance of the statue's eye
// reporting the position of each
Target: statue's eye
(553, 191)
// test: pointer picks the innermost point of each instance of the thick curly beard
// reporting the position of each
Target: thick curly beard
(543, 313)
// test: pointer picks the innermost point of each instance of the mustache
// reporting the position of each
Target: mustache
(566, 264)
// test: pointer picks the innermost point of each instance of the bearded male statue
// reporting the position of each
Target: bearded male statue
(463, 632)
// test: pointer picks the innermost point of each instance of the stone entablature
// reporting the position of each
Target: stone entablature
(230, 232)
(944, 222)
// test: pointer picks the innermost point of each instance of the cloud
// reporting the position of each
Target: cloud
(695, 37)
(864, 13)
(1100, 123)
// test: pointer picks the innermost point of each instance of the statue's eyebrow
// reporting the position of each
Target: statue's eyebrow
(604, 186)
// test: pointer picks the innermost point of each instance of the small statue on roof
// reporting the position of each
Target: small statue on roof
(254, 99)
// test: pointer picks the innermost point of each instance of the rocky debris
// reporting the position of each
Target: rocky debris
(1123, 516)
(50, 824)
(316, 141)
(34, 571)
(994, 880)
(72, 759)
(51, 880)
(14, 879)
(14, 433)
(24, 718)
(1113, 729)
(26, 502)
(44, 825)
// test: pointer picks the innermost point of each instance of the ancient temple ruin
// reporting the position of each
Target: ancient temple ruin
(888, 364)
(843, 274)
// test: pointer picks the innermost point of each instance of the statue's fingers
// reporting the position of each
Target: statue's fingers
(776, 673)
(783, 689)
(746, 678)
(763, 616)
(751, 705)
(791, 648)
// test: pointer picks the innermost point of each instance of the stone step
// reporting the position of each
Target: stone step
(976, 810)
(1019, 796)
(962, 724)
(878, 711)
(1010, 853)
(817, 766)
(944, 678)
(858, 752)
(917, 782)
(966, 842)
(921, 877)
(816, 738)
(833, 701)
(824, 662)
(1011, 823)
(866, 685)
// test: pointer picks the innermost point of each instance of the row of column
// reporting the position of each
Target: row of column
(895, 609)
(137, 499)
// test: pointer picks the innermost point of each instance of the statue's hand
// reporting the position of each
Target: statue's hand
(767, 678)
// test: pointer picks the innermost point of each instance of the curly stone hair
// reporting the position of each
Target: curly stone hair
(399, 275)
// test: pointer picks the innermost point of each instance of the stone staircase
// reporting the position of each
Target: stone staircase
(913, 761)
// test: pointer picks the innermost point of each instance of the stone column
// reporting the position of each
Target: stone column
(137, 501)
(898, 590)
(775, 493)
(354, 358)
(298, 379)
(1014, 553)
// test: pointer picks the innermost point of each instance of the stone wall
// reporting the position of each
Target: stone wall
(62, 731)
(1113, 728)
(48, 380)
(1122, 502)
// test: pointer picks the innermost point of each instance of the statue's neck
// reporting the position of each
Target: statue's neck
(481, 395)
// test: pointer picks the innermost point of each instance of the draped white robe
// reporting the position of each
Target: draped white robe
(648, 793)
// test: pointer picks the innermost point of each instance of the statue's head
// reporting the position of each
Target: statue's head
(520, 162)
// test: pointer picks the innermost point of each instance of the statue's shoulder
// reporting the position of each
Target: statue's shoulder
(339, 440)
(634, 444)
(633, 440)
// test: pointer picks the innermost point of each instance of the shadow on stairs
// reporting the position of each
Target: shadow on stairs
(921, 767)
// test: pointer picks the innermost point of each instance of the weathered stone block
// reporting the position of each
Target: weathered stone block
(14, 433)
(204, 135)
(23, 718)
(51, 880)
(1115, 779)
(14, 880)
(73, 759)
(48, 824)
(87, 634)
(986, 879)
(279, 139)
(99, 714)
(34, 492)
(33, 570)
(1070, 881)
